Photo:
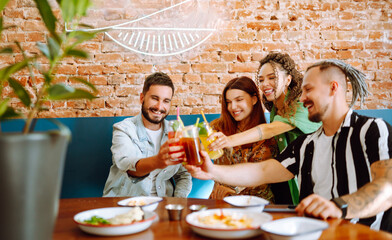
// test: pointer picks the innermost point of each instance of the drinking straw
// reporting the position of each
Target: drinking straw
(204, 117)
(178, 117)
(197, 121)
(181, 123)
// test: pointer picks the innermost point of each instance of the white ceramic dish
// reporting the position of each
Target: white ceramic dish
(147, 203)
(221, 232)
(246, 201)
(294, 228)
(112, 230)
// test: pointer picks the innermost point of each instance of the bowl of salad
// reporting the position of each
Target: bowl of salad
(114, 221)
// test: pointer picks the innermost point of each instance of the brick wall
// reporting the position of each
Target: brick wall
(356, 31)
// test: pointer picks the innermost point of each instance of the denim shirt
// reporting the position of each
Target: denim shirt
(130, 144)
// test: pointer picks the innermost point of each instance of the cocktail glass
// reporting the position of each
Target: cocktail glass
(175, 131)
(204, 133)
(190, 142)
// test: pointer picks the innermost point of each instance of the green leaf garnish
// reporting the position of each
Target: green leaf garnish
(95, 220)
(176, 125)
(202, 129)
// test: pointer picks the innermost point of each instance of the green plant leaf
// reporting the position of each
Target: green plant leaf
(47, 17)
(63, 92)
(54, 49)
(51, 50)
(81, 7)
(59, 89)
(82, 36)
(3, 106)
(1, 25)
(67, 10)
(7, 111)
(88, 84)
(48, 78)
(21, 49)
(76, 53)
(44, 49)
(2, 4)
(20, 91)
(6, 72)
(6, 50)
(71, 9)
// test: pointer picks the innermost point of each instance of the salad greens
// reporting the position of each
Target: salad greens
(95, 220)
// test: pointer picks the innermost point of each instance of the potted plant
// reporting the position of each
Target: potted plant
(31, 163)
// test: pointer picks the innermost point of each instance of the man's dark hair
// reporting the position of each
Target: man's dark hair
(158, 78)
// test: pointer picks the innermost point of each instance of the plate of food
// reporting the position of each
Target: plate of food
(247, 201)
(147, 203)
(114, 221)
(227, 223)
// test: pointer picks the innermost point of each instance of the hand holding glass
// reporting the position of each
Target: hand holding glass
(204, 133)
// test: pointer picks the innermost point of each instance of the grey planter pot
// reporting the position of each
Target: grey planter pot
(31, 170)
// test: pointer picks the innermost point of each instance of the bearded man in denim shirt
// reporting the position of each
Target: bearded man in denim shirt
(143, 164)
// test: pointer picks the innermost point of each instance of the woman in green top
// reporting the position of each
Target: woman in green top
(280, 83)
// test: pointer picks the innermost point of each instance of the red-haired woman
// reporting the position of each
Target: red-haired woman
(242, 110)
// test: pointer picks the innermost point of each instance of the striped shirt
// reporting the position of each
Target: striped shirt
(359, 142)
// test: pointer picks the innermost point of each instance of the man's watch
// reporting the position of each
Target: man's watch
(340, 203)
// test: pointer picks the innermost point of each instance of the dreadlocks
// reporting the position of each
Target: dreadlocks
(356, 77)
(285, 63)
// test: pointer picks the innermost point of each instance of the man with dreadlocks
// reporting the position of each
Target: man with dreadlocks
(344, 169)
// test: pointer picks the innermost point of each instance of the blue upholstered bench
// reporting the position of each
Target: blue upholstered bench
(89, 157)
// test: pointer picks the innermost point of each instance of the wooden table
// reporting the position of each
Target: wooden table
(66, 229)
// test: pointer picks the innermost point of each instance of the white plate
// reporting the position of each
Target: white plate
(294, 228)
(258, 218)
(253, 203)
(112, 230)
(147, 203)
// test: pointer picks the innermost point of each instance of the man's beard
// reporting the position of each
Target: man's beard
(147, 117)
(317, 117)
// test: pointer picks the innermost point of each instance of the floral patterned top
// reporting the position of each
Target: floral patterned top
(254, 152)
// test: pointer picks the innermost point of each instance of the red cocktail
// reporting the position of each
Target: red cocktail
(192, 148)
(191, 143)
(175, 131)
(172, 135)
